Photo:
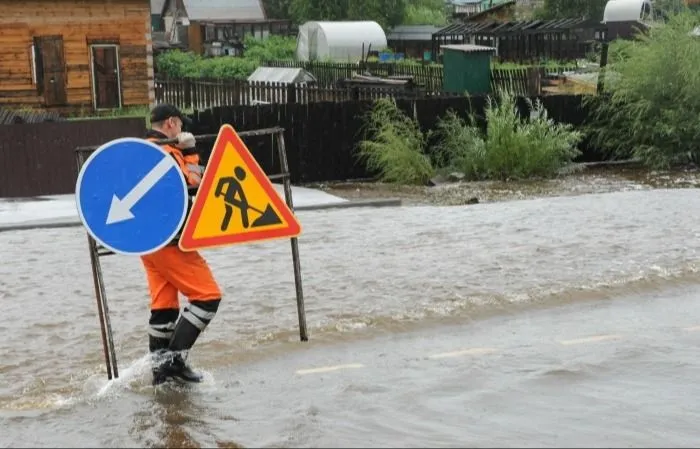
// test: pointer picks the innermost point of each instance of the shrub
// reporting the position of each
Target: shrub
(179, 64)
(393, 145)
(511, 148)
(651, 105)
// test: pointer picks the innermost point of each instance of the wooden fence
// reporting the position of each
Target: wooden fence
(42, 157)
(321, 138)
(521, 81)
(428, 76)
(203, 93)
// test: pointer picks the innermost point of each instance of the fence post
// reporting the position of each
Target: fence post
(534, 81)
(291, 93)
(187, 100)
(603, 63)
(194, 96)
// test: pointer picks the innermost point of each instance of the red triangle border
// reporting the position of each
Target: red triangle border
(187, 241)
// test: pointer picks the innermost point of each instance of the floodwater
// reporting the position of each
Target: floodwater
(558, 322)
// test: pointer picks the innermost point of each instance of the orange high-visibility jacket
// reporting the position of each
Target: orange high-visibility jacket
(188, 161)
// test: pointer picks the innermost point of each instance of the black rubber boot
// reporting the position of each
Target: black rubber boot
(160, 333)
(184, 336)
(192, 322)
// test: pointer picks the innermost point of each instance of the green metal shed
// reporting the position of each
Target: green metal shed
(467, 68)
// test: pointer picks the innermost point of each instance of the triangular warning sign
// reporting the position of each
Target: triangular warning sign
(235, 202)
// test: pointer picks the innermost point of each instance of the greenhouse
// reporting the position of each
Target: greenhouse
(339, 41)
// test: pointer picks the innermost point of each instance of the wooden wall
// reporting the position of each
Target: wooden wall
(78, 22)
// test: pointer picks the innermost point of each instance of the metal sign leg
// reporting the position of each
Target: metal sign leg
(103, 312)
(303, 334)
(95, 253)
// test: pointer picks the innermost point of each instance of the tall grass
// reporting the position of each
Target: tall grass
(393, 145)
(512, 147)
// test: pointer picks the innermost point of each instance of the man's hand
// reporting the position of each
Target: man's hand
(185, 140)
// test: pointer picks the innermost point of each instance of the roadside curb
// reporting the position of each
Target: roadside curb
(74, 222)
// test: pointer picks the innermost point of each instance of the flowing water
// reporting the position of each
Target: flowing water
(374, 279)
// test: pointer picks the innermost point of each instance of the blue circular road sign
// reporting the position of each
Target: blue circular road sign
(131, 196)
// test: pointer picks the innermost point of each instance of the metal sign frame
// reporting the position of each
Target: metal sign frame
(97, 251)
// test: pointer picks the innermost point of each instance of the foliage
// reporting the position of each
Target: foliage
(277, 9)
(301, 11)
(274, 47)
(563, 9)
(387, 13)
(425, 12)
(393, 145)
(178, 64)
(669, 7)
(511, 147)
(651, 103)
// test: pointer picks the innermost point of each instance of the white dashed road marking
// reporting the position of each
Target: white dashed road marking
(479, 351)
(470, 351)
(325, 369)
(593, 339)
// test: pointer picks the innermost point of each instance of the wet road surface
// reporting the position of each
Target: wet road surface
(565, 321)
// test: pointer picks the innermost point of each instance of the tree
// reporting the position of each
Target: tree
(425, 12)
(277, 9)
(387, 13)
(301, 11)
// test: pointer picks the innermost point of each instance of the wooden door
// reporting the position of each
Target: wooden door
(105, 77)
(53, 69)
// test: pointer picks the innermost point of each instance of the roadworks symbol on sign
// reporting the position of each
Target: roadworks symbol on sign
(235, 202)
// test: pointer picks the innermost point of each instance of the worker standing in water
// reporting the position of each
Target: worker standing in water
(170, 270)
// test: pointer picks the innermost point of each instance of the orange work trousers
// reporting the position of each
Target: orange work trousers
(171, 270)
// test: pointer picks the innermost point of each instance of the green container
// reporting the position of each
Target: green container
(467, 69)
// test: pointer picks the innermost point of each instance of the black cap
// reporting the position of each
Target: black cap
(165, 111)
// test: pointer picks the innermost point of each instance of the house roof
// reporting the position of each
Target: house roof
(412, 33)
(223, 10)
(496, 28)
(157, 6)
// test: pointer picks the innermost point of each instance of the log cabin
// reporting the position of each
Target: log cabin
(70, 55)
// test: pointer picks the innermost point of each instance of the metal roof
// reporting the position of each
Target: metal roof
(468, 48)
(516, 27)
(281, 75)
(412, 33)
(222, 10)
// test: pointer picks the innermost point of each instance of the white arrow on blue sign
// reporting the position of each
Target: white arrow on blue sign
(131, 196)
